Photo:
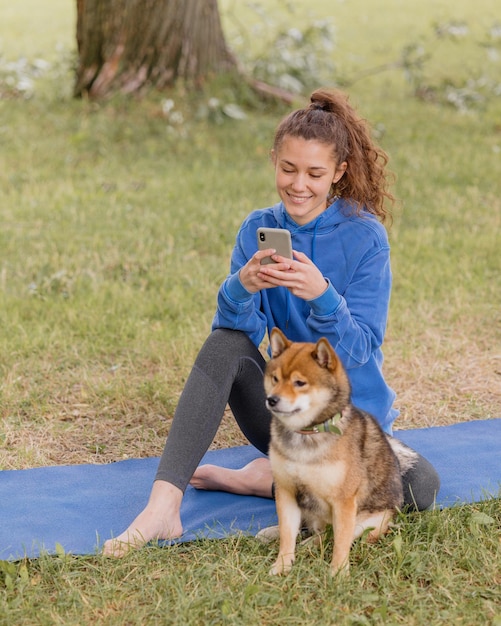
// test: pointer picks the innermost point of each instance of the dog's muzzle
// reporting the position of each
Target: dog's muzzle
(272, 401)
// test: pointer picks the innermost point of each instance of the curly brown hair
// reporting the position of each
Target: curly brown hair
(330, 119)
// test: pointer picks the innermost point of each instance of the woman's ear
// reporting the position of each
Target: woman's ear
(340, 172)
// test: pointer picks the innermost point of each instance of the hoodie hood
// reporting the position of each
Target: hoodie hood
(335, 214)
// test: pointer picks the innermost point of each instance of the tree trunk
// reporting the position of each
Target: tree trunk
(125, 45)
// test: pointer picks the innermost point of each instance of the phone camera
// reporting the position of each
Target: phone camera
(262, 236)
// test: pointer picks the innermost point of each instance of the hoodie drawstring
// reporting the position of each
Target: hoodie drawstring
(313, 255)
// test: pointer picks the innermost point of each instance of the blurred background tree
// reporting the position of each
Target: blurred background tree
(127, 45)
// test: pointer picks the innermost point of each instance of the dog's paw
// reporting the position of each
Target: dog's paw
(341, 571)
(281, 567)
(268, 535)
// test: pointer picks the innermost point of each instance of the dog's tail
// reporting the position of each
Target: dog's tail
(407, 457)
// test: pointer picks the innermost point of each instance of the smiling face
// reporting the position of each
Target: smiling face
(304, 172)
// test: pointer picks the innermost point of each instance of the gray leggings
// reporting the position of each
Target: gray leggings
(229, 370)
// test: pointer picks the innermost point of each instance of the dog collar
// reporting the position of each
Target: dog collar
(329, 426)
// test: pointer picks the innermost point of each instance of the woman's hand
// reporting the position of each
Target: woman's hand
(300, 276)
(251, 275)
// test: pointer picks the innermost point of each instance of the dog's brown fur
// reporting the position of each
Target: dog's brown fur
(351, 480)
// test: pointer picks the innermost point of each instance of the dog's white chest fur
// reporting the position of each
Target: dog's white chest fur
(322, 477)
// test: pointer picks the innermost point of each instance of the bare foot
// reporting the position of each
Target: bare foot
(254, 479)
(159, 520)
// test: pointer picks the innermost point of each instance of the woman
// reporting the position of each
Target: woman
(332, 184)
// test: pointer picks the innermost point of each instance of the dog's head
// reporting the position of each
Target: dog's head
(305, 383)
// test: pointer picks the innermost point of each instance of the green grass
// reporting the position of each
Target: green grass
(438, 568)
(117, 226)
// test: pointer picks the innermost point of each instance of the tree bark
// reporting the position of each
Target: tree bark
(126, 45)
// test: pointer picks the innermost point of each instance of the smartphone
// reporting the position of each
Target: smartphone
(277, 238)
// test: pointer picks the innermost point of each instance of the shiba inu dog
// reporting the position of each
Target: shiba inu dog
(331, 462)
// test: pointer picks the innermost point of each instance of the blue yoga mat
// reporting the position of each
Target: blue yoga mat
(78, 507)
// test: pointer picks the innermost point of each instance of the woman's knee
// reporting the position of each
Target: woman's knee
(222, 339)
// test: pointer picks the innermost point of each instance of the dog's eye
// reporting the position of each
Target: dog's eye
(299, 383)
(274, 379)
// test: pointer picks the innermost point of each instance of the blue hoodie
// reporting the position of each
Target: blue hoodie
(353, 254)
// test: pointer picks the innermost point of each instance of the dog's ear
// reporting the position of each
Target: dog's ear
(278, 342)
(324, 354)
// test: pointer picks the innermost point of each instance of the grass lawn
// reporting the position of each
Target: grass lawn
(118, 220)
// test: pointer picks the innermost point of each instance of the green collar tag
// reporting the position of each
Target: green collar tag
(329, 426)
